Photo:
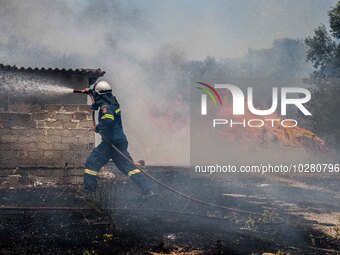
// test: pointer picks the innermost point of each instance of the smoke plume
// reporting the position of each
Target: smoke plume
(151, 59)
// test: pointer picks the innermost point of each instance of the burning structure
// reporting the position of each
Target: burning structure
(44, 134)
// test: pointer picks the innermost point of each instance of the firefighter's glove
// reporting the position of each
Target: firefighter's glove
(96, 129)
(95, 106)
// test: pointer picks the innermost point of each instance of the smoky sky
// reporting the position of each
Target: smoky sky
(153, 50)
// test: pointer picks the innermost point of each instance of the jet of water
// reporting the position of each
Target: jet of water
(31, 85)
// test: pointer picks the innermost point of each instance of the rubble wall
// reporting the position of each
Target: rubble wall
(50, 136)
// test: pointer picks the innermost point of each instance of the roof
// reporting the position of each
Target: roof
(84, 71)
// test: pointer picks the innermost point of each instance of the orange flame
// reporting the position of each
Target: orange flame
(293, 137)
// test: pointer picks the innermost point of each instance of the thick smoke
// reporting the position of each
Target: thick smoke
(151, 76)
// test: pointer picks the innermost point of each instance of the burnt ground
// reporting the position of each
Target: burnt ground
(299, 215)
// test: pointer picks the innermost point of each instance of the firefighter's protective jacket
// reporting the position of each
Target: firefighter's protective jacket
(110, 122)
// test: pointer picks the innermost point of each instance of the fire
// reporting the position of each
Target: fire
(262, 137)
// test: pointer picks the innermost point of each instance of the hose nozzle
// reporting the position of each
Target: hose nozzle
(81, 91)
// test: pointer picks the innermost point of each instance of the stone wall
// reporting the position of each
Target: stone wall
(50, 136)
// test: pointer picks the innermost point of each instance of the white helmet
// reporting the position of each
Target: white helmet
(102, 87)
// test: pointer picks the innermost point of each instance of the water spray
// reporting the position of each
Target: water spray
(30, 85)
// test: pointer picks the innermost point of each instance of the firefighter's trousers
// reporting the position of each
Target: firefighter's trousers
(102, 154)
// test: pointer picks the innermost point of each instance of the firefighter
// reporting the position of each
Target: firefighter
(110, 126)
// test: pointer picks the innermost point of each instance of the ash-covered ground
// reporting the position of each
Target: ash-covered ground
(299, 215)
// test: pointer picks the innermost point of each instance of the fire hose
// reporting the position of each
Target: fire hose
(172, 189)
(179, 193)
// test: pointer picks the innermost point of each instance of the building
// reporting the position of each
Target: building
(47, 135)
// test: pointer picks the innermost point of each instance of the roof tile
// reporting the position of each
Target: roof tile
(97, 72)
